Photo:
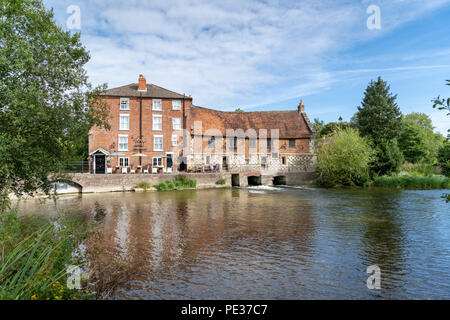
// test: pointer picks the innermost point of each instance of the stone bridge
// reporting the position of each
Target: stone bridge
(88, 183)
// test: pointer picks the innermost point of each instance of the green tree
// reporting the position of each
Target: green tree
(238, 110)
(318, 126)
(413, 141)
(344, 158)
(332, 127)
(443, 104)
(45, 96)
(444, 158)
(417, 140)
(379, 116)
(388, 158)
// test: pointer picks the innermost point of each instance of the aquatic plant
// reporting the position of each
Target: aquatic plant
(413, 182)
(221, 181)
(143, 185)
(180, 182)
(35, 254)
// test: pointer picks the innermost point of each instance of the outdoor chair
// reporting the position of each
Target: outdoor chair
(124, 170)
(169, 170)
(132, 170)
(146, 170)
(154, 170)
(109, 170)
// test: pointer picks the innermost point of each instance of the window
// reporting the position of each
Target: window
(123, 142)
(252, 143)
(123, 162)
(174, 140)
(157, 105)
(158, 143)
(124, 103)
(263, 160)
(211, 142)
(283, 160)
(124, 122)
(157, 162)
(176, 123)
(232, 141)
(291, 143)
(176, 104)
(157, 122)
(269, 144)
(208, 159)
(275, 155)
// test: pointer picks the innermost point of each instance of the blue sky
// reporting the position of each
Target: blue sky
(261, 55)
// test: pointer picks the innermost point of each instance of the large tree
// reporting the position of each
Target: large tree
(45, 96)
(379, 119)
(379, 116)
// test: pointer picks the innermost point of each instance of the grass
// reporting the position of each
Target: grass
(413, 182)
(221, 181)
(180, 182)
(35, 254)
(143, 185)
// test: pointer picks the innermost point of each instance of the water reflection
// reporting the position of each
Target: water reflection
(280, 243)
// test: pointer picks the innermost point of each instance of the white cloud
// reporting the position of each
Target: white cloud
(230, 52)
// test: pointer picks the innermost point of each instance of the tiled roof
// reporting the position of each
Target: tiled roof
(291, 124)
(153, 91)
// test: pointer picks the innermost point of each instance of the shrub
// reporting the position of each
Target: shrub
(143, 185)
(387, 159)
(444, 158)
(419, 169)
(343, 159)
(180, 182)
(221, 181)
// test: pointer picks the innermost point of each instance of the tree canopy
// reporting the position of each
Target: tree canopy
(379, 116)
(45, 96)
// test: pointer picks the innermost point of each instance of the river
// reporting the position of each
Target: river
(272, 243)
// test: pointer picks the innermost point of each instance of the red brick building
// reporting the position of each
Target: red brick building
(148, 124)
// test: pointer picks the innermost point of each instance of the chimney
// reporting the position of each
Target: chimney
(142, 83)
(301, 107)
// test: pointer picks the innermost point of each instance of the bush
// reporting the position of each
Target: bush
(444, 158)
(180, 182)
(388, 158)
(343, 159)
(143, 185)
(221, 181)
(413, 182)
(419, 169)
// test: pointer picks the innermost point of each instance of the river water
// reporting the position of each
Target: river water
(272, 243)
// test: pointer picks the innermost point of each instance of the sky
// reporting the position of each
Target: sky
(267, 55)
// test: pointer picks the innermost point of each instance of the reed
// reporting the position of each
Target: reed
(413, 182)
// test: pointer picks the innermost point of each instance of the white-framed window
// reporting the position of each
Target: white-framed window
(157, 105)
(124, 162)
(211, 142)
(208, 159)
(123, 142)
(176, 123)
(176, 104)
(158, 143)
(124, 103)
(252, 143)
(124, 122)
(157, 122)
(174, 140)
(157, 162)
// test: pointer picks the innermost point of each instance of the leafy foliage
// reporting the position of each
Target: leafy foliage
(221, 181)
(388, 158)
(46, 101)
(379, 116)
(443, 104)
(444, 158)
(343, 159)
(181, 182)
(413, 182)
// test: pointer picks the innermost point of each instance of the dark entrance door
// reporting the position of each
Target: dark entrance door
(169, 160)
(100, 166)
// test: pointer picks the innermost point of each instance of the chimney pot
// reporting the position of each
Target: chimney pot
(142, 83)
(301, 107)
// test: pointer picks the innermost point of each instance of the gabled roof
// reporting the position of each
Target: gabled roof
(153, 91)
(290, 123)
(99, 150)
